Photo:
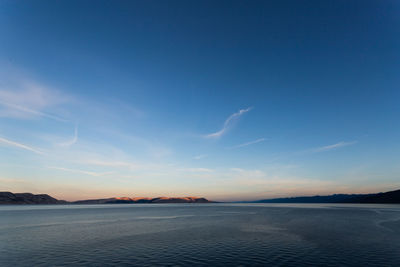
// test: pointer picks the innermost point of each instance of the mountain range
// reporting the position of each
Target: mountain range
(29, 198)
(157, 200)
(387, 197)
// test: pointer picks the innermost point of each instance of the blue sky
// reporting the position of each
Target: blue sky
(229, 100)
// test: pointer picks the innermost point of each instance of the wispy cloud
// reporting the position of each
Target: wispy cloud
(228, 123)
(72, 141)
(91, 173)
(237, 170)
(114, 164)
(12, 180)
(14, 110)
(248, 173)
(199, 157)
(196, 170)
(248, 143)
(334, 146)
(27, 99)
(20, 145)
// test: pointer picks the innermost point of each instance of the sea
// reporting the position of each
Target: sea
(217, 234)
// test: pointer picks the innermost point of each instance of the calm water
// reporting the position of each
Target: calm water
(208, 234)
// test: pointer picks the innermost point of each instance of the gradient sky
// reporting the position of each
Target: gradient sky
(230, 100)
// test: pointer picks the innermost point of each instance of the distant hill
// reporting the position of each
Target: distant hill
(117, 200)
(28, 198)
(388, 197)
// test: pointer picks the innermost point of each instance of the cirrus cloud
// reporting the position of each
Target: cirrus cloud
(228, 123)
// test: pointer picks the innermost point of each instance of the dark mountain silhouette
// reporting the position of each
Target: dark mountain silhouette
(27, 198)
(388, 197)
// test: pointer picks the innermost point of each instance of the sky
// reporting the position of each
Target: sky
(229, 100)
